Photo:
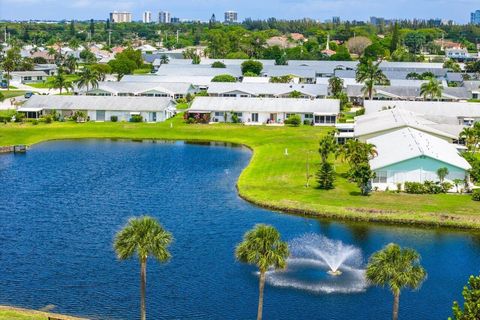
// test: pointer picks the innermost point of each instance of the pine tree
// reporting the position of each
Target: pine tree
(471, 305)
(325, 176)
(92, 27)
(72, 28)
(395, 37)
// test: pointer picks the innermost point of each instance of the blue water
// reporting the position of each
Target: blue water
(62, 203)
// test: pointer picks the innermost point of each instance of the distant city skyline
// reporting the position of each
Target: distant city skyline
(202, 10)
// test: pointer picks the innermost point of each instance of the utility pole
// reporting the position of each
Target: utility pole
(109, 37)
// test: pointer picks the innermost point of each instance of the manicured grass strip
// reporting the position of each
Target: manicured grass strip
(12, 93)
(273, 179)
(11, 313)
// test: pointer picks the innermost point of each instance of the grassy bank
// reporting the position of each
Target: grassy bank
(273, 179)
(11, 313)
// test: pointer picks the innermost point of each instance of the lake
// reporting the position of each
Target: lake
(63, 202)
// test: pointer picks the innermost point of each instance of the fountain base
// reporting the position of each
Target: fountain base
(334, 273)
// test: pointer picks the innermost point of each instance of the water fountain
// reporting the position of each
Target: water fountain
(320, 264)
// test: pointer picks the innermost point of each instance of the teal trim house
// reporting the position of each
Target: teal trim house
(411, 155)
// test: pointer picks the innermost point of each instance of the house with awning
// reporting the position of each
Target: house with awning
(101, 108)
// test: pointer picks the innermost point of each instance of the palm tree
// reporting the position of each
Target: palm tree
(396, 268)
(60, 82)
(263, 247)
(87, 78)
(71, 64)
(145, 237)
(442, 173)
(335, 84)
(371, 74)
(433, 89)
(164, 59)
(470, 136)
(8, 66)
(355, 152)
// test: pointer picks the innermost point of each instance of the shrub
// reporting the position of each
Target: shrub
(218, 64)
(224, 78)
(114, 118)
(294, 120)
(476, 195)
(136, 118)
(399, 187)
(2, 97)
(446, 186)
(307, 122)
(235, 118)
(252, 66)
(432, 187)
(48, 119)
(35, 122)
(414, 187)
(250, 74)
(19, 117)
(181, 100)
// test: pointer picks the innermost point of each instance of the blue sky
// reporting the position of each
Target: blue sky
(457, 10)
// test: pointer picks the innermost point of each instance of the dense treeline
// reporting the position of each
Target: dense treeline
(403, 41)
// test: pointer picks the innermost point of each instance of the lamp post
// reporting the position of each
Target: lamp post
(308, 175)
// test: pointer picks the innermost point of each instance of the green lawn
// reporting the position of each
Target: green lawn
(273, 179)
(12, 93)
(9, 313)
(45, 84)
(142, 71)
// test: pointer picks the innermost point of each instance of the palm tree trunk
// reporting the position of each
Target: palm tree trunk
(143, 284)
(396, 301)
(260, 295)
(8, 80)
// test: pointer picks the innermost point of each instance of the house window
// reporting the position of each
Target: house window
(27, 78)
(239, 114)
(218, 114)
(290, 114)
(40, 78)
(381, 177)
(229, 95)
(308, 115)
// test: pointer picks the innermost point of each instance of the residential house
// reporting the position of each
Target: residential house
(173, 90)
(101, 108)
(266, 90)
(28, 76)
(275, 111)
(410, 155)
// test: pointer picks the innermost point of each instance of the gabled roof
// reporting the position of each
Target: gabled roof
(194, 80)
(396, 119)
(98, 103)
(197, 70)
(406, 92)
(141, 87)
(427, 108)
(291, 105)
(267, 88)
(408, 143)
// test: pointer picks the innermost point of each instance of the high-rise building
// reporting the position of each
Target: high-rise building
(213, 20)
(475, 17)
(231, 17)
(175, 20)
(118, 17)
(147, 17)
(336, 20)
(164, 17)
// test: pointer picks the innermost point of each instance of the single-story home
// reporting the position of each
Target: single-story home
(28, 76)
(410, 155)
(174, 90)
(266, 110)
(199, 82)
(266, 90)
(50, 69)
(462, 113)
(413, 93)
(382, 122)
(101, 108)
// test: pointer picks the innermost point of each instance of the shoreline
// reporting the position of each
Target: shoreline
(10, 311)
(371, 212)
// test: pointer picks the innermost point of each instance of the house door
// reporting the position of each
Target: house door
(100, 115)
(254, 117)
(273, 117)
(153, 117)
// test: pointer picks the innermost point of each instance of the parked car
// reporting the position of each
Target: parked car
(28, 94)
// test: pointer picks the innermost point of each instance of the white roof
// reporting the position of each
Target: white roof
(256, 80)
(427, 108)
(291, 105)
(408, 143)
(116, 87)
(394, 119)
(97, 103)
(276, 89)
(194, 80)
(29, 73)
